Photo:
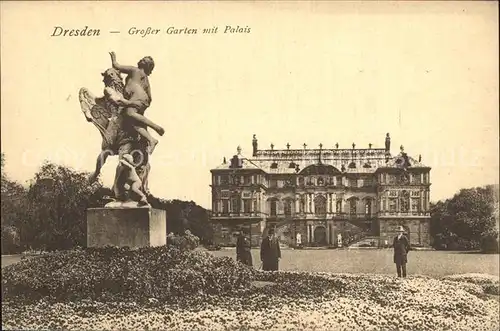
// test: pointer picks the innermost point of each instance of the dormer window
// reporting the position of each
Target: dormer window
(274, 165)
(352, 165)
(291, 165)
(367, 165)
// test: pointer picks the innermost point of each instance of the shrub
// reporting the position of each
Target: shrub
(489, 242)
(186, 242)
(117, 274)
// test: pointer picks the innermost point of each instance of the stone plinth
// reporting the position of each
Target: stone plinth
(132, 227)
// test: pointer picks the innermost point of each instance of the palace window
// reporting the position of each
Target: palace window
(392, 204)
(320, 205)
(353, 183)
(405, 201)
(235, 205)
(404, 178)
(302, 204)
(288, 208)
(273, 205)
(391, 179)
(415, 179)
(224, 179)
(415, 205)
(225, 206)
(247, 206)
(339, 180)
(273, 183)
(247, 180)
(301, 181)
(235, 180)
(321, 181)
(368, 207)
(352, 207)
(309, 181)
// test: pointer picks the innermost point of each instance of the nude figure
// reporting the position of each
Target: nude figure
(137, 97)
(131, 178)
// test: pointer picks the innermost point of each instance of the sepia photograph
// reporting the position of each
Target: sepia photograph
(250, 165)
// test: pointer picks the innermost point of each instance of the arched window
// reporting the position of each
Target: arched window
(368, 207)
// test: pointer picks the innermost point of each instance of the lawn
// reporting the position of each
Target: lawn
(430, 263)
(380, 261)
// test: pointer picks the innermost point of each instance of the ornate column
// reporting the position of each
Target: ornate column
(312, 203)
(308, 234)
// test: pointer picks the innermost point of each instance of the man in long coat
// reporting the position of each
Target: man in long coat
(401, 248)
(243, 248)
(270, 252)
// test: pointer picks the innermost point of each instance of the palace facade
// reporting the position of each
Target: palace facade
(322, 193)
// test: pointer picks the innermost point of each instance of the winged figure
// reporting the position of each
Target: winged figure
(118, 135)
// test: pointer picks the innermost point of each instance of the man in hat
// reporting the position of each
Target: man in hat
(270, 252)
(243, 248)
(401, 248)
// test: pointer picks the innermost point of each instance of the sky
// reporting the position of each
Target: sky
(323, 72)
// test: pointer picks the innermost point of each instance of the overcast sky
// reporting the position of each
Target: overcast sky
(328, 72)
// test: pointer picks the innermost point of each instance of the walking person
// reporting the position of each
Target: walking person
(243, 248)
(401, 248)
(270, 252)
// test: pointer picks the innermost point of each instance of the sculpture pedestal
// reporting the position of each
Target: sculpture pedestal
(132, 227)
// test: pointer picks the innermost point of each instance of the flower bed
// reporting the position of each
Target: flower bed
(170, 288)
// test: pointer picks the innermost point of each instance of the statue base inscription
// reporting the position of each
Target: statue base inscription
(122, 226)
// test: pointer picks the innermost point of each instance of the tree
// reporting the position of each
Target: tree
(13, 211)
(185, 215)
(467, 219)
(57, 203)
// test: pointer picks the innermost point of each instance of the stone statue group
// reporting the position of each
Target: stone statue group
(119, 117)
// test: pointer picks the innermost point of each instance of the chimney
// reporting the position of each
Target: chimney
(255, 146)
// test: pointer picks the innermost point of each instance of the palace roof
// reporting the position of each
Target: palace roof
(329, 161)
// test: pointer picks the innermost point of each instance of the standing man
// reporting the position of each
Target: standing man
(401, 249)
(243, 248)
(270, 252)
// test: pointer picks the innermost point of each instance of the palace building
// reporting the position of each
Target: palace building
(325, 194)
